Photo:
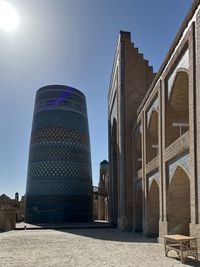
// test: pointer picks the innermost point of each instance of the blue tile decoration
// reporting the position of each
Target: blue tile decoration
(154, 175)
(182, 160)
(154, 107)
(182, 64)
(59, 180)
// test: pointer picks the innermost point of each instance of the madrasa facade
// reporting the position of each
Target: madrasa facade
(154, 136)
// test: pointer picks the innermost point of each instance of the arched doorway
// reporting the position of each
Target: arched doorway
(153, 210)
(179, 203)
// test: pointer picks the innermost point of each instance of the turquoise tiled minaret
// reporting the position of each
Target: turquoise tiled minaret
(59, 182)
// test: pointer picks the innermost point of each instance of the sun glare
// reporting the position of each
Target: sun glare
(9, 18)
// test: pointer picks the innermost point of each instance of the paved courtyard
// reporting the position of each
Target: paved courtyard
(82, 247)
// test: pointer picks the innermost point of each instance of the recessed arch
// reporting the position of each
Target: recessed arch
(153, 209)
(152, 136)
(178, 203)
(151, 182)
(178, 73)
(177, 107)
(174, 171)
(138, 151)
(151, 116)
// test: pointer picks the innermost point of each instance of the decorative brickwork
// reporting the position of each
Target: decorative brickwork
(164, 154)
(59, 185)
(131, 76)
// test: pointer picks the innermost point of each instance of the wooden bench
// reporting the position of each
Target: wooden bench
(185, 246)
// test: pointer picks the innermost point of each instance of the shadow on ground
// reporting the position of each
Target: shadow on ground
(110, 234)
(102, 231)
(188, 261)
(105, 232)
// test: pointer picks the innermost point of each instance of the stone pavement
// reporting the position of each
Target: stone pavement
(95, 224)
(82, 247)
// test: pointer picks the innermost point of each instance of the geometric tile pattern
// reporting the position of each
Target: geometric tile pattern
(50, 135)
(183, 63)
(182, 160)
(53, 103)
(60, 187)
(59, 168)
(59, 156)
(56, 153)
(59, 152)
(154, 175)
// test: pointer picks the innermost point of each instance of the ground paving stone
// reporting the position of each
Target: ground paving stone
(82, 247)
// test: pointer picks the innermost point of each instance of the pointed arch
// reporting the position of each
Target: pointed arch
(153, 111)
(153, 209)
(138, 151)
(152, 136)
(151, 182)
(177, 104)
(175, 170)
(178, 202)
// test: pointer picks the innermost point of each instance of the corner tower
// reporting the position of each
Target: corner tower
(131, 77)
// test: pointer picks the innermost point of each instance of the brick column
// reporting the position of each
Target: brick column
(133, 177)
(162, 168)
(194, 79)
(160, 153)
(192, 127)
(145, 184)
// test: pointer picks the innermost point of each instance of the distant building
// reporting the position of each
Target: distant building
(103, 191)
(130, 79)
(59, 182)
(101, 194)
(154, 136)
(11, 211)
(95, 203)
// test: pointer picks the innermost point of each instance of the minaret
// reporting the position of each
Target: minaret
(102, 194)
(59, 181)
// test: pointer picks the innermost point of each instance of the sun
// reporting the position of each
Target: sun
(9, 18)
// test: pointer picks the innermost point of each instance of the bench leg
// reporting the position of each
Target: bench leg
(181, 253)
(166, 250)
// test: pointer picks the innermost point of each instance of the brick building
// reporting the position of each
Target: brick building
(11, 211)
(154, 136)
(103, 191)
(101, 194)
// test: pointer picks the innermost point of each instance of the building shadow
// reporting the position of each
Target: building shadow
(110, 234)
(96, 230)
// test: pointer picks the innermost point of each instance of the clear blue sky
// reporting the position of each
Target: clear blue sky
(72, 42)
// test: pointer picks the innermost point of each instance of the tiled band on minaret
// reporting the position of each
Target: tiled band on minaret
(59, 182)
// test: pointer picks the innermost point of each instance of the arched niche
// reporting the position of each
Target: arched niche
(153, 210)
(138, 150)
(177, 107)
(152, 136)
(178, 203)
